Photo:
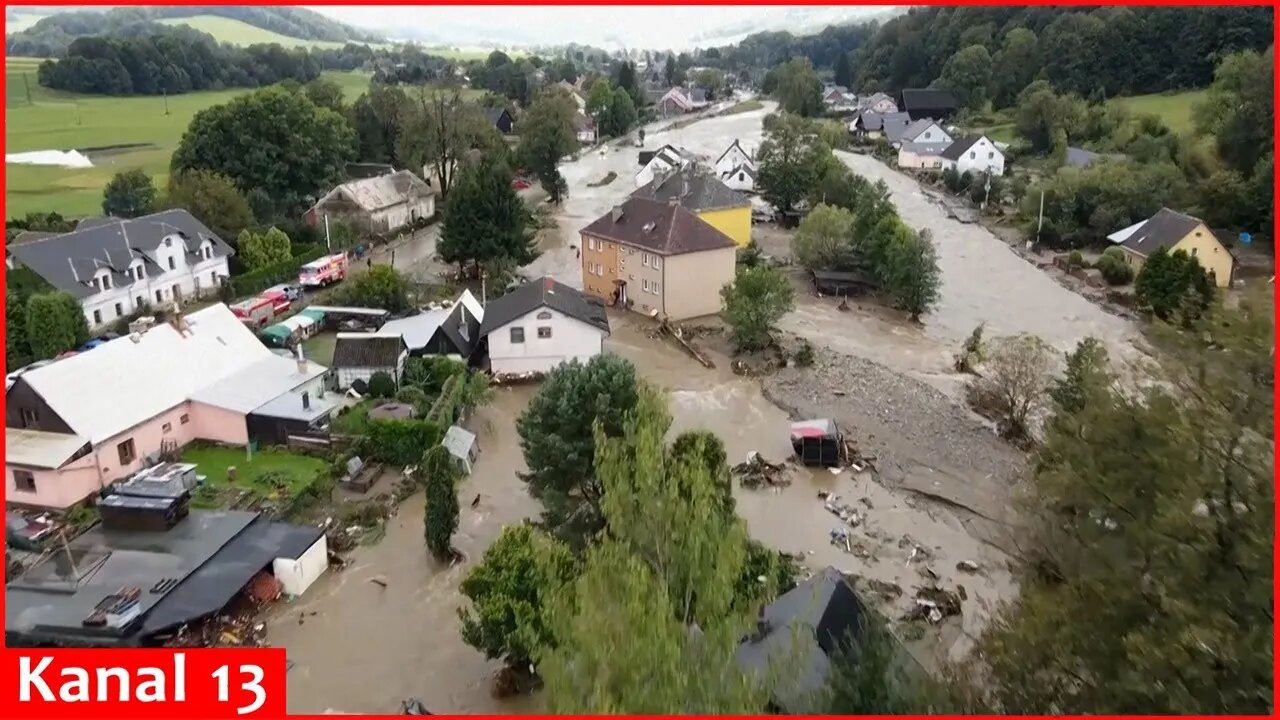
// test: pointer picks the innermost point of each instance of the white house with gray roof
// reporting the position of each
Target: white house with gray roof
(115, 267)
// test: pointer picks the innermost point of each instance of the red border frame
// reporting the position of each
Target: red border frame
(9, 705)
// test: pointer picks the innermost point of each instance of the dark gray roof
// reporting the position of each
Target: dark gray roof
(910, 132)
(877, 121)
(27, 236)
(693, 187)
(925, 148)
(1081, 158)
(799, 633)
(1164, 230)
(462, 331)
(698, 95)
(926, 99)
(70, 260)
(662, 227)
(543, 292)
(958, 148)
(493, 116)
(367, 350)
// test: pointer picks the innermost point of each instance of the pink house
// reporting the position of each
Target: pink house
(79, 424)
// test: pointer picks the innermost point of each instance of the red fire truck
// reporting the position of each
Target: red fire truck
(255, 312)
(322, 272)
(280, 302)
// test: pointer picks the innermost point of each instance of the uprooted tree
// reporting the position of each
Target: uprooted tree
(1013, 383)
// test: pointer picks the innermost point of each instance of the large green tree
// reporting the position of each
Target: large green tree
(1043, 114)
(511, 591)
(1013, 66)
(381, 286)
(912, 274)
(968, 76)
(559, 442)
(1239, 111)
(17, 346)
(824, 240)
(671, 558)
(546, 136)
(1148, 586)
(754, 303)
(213, 199)
(438, 130)
(439, 476)
(259, 250)
(1173, 286)
(270, 141)
(129, 194)
(791, 159)
(797, 87)
(378, 116)
(485, 220)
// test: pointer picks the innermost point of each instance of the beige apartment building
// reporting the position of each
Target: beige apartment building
(658, 259)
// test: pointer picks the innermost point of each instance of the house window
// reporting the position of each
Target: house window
(177, 292)
(1194, 251)
(139, 301)
(97, 317)
(24, 481)
(168, 242)
(991, 155)
(29, 417)
(160, 296)
(141, 271)
(208, 253)
(119, 309)
(544, 333)
(972, 155)
(127, 452)
(172, 265)
(645, 285)
(167, 427)
(654, 287)
(184, 418)
(517, 336)
(213, 278)
(106, 282)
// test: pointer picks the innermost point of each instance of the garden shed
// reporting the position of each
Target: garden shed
(462, 445)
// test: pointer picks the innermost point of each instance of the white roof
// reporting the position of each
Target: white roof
(297, 322)
(127, 381)
(258, 384)
(1120, 236)
(416, 329)
(321, 262)
(36, 448)
(472, 304)
(459, 442)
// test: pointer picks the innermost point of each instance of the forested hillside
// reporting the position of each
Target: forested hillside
(1091, 52)
(51, 36)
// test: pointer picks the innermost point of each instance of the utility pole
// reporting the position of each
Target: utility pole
(1040, 222)
(165, 92)
(987, 197)
(328, 243)
(78, 111)
(27, 84)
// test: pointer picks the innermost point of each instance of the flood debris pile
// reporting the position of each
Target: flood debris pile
(757, 472)
(682, 336)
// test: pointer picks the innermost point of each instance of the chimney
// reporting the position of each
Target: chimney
(616, 213)
(462, 321)
(550, 285)
(306, 401)
(178, 322)
(302, 361)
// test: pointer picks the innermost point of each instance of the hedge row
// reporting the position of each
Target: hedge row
(258, 280)
(401, 442)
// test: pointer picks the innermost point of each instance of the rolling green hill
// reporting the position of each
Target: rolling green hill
(238, 32)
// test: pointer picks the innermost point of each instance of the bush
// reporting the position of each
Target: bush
(401, 442)
(1114, 270)
(381, 385)
(1075, 259)
(412, 395)
(1115, 252)
(804, 356)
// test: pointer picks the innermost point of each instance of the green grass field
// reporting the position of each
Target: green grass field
(1173, 108)
(52, 120)
(237, 32)
(289, 474)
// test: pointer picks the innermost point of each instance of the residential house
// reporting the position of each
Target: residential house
(358, 356)
(451, 331)
(585, 129)
(696, 188)
(574, 93)
(276, 396)
(699, 98)
(926, 130)
(734, 156)
(380, 205)
(1175, 231)
(76, 425)
(741, 178)
(877, 103)
(838, 97)
(116, 267)
(921, 155)
(873, 125)
(541, 324)
(804, 633)
(927, 102)
(658, 258)
(675, 101)
(665, 159)
(974, 154)
(502, 119)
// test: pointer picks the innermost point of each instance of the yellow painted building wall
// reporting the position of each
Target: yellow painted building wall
(734, 222)
(599, 267)
(1205, 247)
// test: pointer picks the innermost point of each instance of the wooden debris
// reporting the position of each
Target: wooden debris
(757, 472)
(675, 332)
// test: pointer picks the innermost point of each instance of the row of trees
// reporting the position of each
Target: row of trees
(852, 225)
(637, 541)
(992, 53)
(172, 61)
(40, 325)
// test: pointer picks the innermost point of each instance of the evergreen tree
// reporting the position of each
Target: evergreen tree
(129, 194)
(753, 305)
(55, 323)
(485, 220)
(844, 70)
(439, 474)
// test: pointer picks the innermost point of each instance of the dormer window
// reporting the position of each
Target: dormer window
(168, 242)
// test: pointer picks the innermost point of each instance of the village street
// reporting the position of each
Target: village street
(941, 497)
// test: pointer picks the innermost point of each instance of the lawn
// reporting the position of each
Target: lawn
(319, 348)
(53, 120)
(272, 475)
(1173, 108)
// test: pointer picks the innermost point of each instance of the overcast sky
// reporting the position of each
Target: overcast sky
(643, 27)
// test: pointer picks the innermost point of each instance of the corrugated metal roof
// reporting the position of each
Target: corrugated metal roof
(127, 381)
(379, 192)
(36, 448)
